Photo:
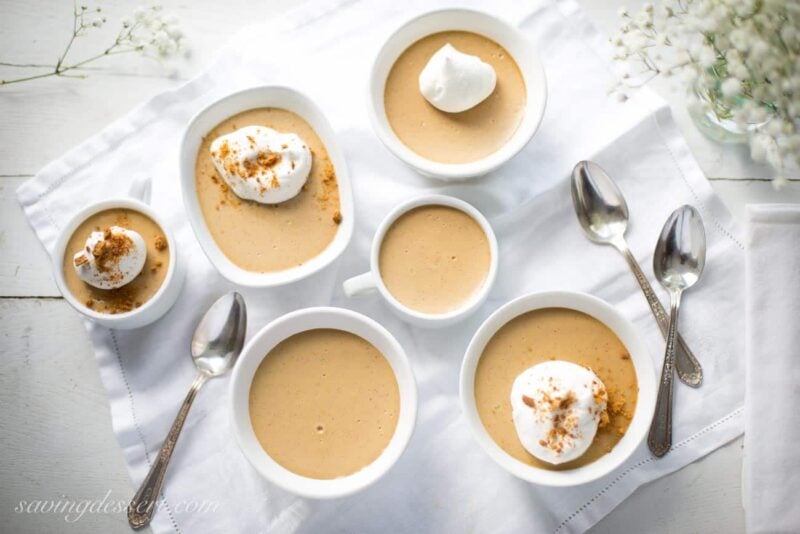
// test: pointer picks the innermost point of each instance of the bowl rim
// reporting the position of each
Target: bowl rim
(511, 38)
(117, 320)
(274, 95)
(475, 301)
(300, 321)
(622, 328)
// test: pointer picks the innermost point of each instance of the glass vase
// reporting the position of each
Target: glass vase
(713, 116)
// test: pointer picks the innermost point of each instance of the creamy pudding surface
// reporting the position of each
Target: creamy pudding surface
(563, 335)
(454, 137)
(269, 237)
(143, 286)
(324, 403)
(434, 258)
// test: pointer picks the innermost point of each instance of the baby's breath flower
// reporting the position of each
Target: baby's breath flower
(707, 57)
(148, 30)
(731, 87)
(740, 57)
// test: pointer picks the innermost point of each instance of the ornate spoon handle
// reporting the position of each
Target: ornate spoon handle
(686, 365)
(140, 510)
(659, 440)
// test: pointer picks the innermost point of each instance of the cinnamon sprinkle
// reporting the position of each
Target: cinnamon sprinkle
(564, 422)
(108, 252)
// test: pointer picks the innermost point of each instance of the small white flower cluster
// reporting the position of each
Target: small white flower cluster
(86, 19)
(151, 31)
(741, 56)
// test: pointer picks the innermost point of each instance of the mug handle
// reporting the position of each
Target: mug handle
(360, 285)
(140, 188)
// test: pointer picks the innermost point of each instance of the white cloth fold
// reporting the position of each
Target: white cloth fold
(444, 482)
(771, 469)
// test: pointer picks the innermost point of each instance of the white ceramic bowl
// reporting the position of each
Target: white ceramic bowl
(645, 375)
(211, 116)
(466, 20)
(166, 295)
(371, 281)
(300, 321)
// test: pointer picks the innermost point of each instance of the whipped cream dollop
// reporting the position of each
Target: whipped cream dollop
(454, 82)
(262, 164)
(111, 258)
(557, 407)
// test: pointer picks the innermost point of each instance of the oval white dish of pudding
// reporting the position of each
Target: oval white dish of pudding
(266, 187)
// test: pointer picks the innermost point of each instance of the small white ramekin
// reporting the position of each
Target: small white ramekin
(645, 376)
(166, 295)
(226, 107)
(371, 281)
(509, 37)
(294, 323)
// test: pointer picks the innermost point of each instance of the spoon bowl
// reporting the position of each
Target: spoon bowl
(599, 204)
(219, 336)
(680, 254)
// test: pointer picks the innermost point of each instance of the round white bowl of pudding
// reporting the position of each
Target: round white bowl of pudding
(506, 38)
(330, 389)
(587, 317)
(257, 261)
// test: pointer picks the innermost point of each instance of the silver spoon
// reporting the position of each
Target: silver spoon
(216, 344)
(603, 214)
(678, 263)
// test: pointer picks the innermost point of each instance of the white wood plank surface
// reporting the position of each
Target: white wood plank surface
(24, 264)
(55, 431)
(44, 118)
(55, 426)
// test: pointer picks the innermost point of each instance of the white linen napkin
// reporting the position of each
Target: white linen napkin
(771, 468)
(444, 482)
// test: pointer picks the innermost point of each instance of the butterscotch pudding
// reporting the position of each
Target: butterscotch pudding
(267, 190)
(455, 97)
(434, 258)
(116, 261)
(324, 403)
(555, 388)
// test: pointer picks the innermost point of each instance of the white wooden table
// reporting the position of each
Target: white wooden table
(56, 441)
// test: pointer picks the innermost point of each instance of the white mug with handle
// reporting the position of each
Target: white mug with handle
(371, 281)
(138, 199)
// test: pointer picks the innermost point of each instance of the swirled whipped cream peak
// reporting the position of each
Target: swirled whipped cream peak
(453, 81)
(111, 258)
(262, 164)
(557, 407)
